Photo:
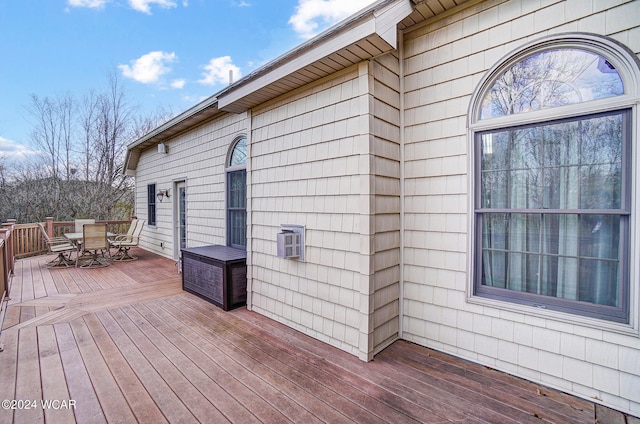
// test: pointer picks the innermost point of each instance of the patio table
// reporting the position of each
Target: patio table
(76, 238)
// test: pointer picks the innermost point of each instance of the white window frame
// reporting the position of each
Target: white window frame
(228, 170)
(152, 203)
(628, 67)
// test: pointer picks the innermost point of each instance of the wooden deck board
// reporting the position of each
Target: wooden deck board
(191, 370)
(229, 371)
(162, 394)
(494, 385)
(235, 399)
(47, 279)
(390, 384)
(77, 377)
(315, 374)
(187, 390)
(127, 344)
(52, 376)
(247, 358)
(8, 370)
(133, 390)
(28, 378)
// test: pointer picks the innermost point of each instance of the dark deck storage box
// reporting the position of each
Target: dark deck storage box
(217, 274)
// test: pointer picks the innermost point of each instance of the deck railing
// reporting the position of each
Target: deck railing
(6, 258)
(29, 241)
(23, 240)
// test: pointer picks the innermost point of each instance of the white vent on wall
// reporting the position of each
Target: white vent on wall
(290, 241)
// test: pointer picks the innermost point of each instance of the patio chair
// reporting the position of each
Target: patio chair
(94, 243)
(58, 245)
(125, 242)
(127, 236)
(79, 223)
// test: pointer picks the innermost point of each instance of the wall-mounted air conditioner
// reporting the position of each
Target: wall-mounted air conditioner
(290, 242)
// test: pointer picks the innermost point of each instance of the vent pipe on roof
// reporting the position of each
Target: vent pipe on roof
(230, 76)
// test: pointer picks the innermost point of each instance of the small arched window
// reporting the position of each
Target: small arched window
(551, 78)
(237, 194)
(238, 156)
(552, 140)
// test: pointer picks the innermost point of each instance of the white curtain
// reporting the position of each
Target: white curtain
(558, 174)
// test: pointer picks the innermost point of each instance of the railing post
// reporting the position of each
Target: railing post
(9, 246)
(4, 263)
(50, 226)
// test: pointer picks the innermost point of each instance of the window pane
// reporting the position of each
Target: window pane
(568, 256)
(238, 227)
(237, 189)
(569, 165)
(515, 233)
(598, 282)
(600, 236)
(549, 79)
(151, 204)
(182, 206)
(236, 208)
(239, 154)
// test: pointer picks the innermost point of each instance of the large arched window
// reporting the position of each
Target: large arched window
(237, 194)
(552, 130)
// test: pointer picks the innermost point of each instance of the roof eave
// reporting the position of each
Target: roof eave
(377, 25)
(199, 113)
(379, 21)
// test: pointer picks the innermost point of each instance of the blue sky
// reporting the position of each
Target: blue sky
(168, 53)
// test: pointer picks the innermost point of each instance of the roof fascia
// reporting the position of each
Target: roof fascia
(154, 136)
(194, 110)
(380, 19)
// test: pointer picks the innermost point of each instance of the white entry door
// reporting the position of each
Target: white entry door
(180, 221)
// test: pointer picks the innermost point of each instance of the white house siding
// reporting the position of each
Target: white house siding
(198, 157)
(385, 195)
(312, 165)
(445, 60)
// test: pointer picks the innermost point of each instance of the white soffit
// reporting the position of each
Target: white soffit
(427, 9)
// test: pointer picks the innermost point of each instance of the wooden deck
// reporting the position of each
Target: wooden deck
(124, 344)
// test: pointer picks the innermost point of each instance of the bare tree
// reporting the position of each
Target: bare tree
(79, 173)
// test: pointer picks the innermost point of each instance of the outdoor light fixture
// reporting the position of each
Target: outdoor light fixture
(161, 194)
(162, 148)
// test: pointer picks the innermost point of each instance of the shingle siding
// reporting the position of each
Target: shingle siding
(327, 157)
(444, 62)
(385, 170)
(306, 170)
(197, 157)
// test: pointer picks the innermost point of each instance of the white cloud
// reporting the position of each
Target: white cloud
(217, 71)
(149, 68)
(179, 83)
(93, 4)
(12, 150)
(241, 3)
(143, 5)
(312, 15)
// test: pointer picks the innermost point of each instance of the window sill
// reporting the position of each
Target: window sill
(631, 329)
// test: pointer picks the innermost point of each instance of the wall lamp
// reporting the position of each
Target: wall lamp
(162, 193)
